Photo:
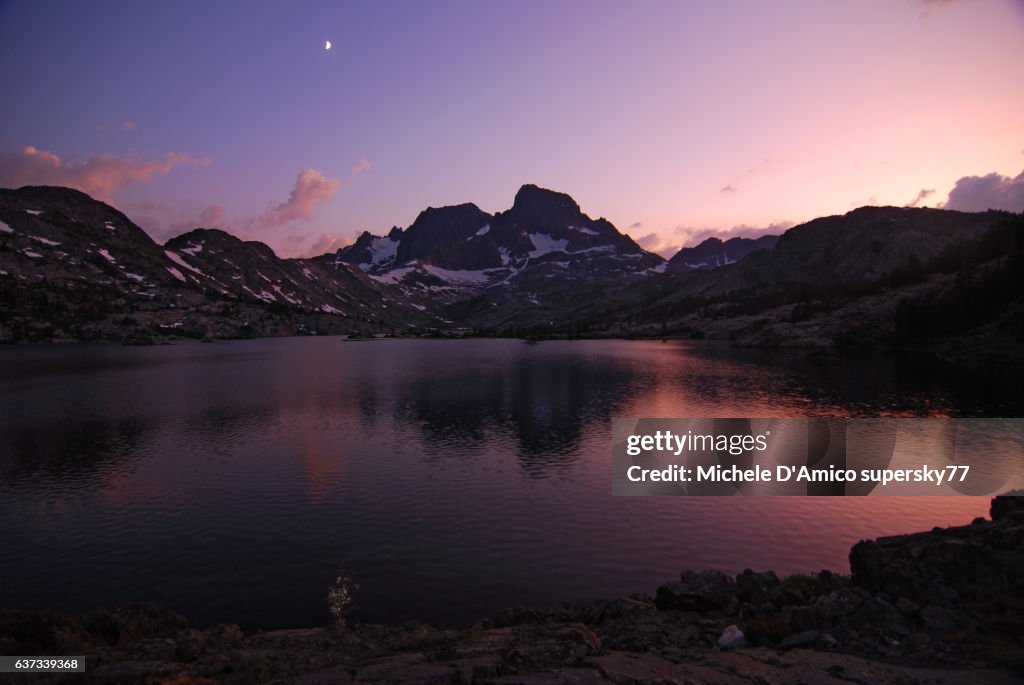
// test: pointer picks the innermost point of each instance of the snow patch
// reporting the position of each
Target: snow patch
(4, 228)
(109, 226)
(393, 276)
(44, 241)
(30, 254)
(192, 248)
(262, 295)
(584, 231)
(660, 269)
(34, 212)
(331, 310)
(599, 248)
(134, 277)
(176, 258)
(544, 244)
(482, 231)
(106, 255)
(382, 250)
(461, 276)
(177, 274)
(280, 292)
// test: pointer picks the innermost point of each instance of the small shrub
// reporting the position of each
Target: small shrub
(339, 597)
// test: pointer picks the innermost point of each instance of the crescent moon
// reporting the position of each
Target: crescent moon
(327, 46)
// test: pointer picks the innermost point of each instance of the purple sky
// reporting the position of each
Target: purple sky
(675, 120)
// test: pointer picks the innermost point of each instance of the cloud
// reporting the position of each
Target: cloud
(655, 242)
(921, 197)
(992, 191)
(211, 216)
(361, 166)
(100, 176)
(163, 222)
(688, 236)
(326, 243)
(728, 189)
(311, 190)
(695, 236)
(128, 126)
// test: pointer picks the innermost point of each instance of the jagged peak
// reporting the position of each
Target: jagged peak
(448, 212)
(531, 198)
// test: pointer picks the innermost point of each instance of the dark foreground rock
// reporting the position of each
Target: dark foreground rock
(938, 607)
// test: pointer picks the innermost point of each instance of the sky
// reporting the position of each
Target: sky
(674, 120)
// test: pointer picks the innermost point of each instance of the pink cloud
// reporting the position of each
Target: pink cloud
(100, 176)
(311, 190)
(682, 236)
(128, 126)
(362, 165)
(326, 243)
(211, 216)
(992, 191)
(655, 242)
(694, 236)
(163, 222)
(921, 197)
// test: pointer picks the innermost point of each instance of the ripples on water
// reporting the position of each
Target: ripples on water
(449, 479)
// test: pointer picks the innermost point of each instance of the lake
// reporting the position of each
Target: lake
(448, 479)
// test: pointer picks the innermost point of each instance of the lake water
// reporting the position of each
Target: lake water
(447, 479)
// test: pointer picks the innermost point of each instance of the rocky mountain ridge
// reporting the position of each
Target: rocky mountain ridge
(713, 252)
(72, 268)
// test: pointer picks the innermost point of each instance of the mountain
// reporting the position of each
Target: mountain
(75, 268)
(875, 277)
(853, 249)
(523, 266)
(251, 270)
(713, 253)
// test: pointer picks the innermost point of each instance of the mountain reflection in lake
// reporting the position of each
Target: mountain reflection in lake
(449, 479)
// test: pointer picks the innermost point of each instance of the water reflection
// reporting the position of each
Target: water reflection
(201, 476)
(83, 454)
(542, 403)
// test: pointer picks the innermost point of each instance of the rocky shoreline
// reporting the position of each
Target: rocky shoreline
(943, 606)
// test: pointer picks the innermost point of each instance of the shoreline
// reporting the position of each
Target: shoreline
(935, 351)
(946, 605)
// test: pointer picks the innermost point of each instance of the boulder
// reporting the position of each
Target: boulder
(732, 638)
(1008, 507)
(965, 564)
(756, 588)
(697, 591)
(806, 638)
